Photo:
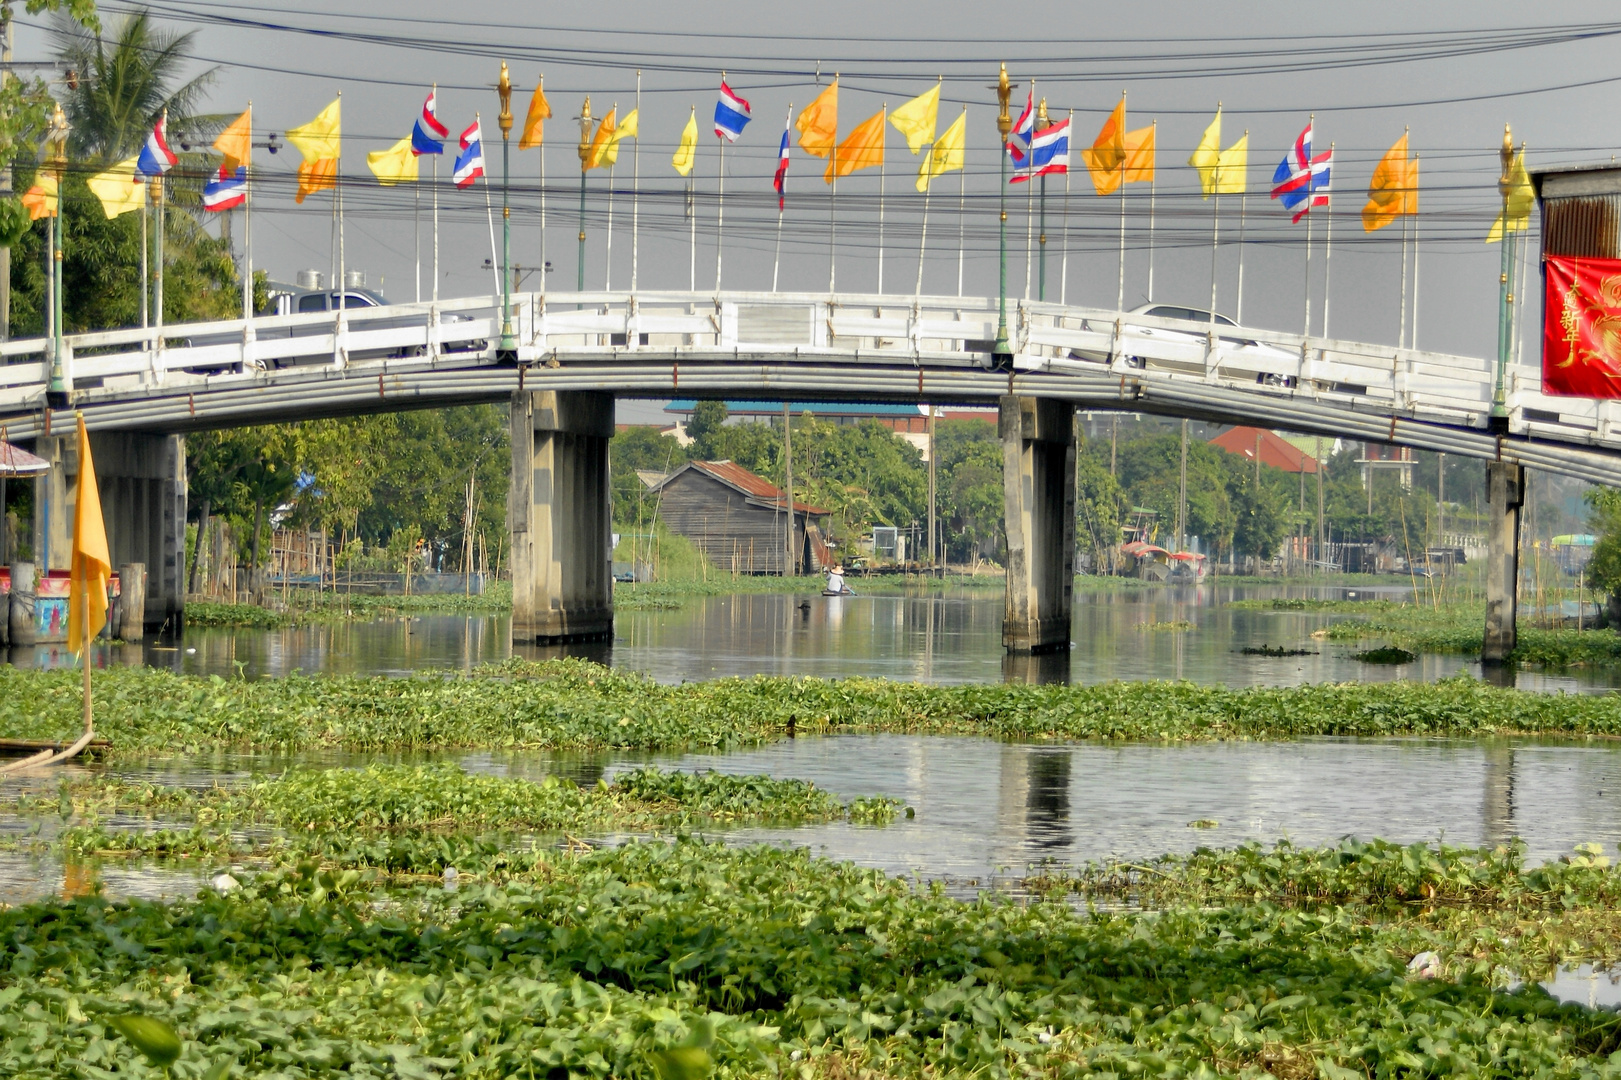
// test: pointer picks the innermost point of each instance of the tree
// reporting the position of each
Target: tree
(1604, 571)
(703, 425)
(1148, 471)
(639, 449)
(970, 488)
(1098, 505)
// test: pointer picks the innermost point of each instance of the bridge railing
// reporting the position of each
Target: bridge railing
(765, 327)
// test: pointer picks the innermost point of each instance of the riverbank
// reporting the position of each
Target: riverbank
(574, 704)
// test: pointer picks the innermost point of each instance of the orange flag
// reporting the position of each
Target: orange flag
(540, 110)
(596, 157)
(1393, 191)
(92, 565)
(236, 142)
(819, 124)
(316, 176)
(40, 200)
(861, 149)
(1108, 151)
(1139, 163)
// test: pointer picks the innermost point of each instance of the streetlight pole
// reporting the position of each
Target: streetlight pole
(1004, 124)
(508, 348)
(1505, 294)
(585, 156)
(56, 394)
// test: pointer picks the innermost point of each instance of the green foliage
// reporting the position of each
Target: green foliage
(1605, 569)
(578, 705)
(1149, 473)
(1099, 504)
(970, 488)
(155, 1039)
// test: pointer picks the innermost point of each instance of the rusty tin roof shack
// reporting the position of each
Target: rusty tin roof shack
(1581, 210)
(15, 461)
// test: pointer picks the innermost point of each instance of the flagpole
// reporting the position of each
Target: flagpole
(776, 260)
(1153, 187)
(636, 187)
(1328, 242)
(720, 201)
(542, 149)
(1243, 214)
(1063, 263)
(881, 169)
(1215, 245)
(1120, 298)
(489, 210)
(416, 236)
(608, 274)
(692, 216)
(1413, 334)
(1041, 235)
(1029, 226)
(157, 258)
(247, 225)
(585, 154)
(146, 272)
(923, 235)
(833, 213)
(343, 272)
(433, 191)
(962, 214)
(1310, 122)
(1401, 325)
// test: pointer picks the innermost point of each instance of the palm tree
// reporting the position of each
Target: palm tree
(125, 80)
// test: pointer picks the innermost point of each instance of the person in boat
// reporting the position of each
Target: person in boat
(836, 585)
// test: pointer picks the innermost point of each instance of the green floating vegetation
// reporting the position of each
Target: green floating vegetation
(1386, 654)
(573, 704)
(304, 607)
(1175, 626)
(444, 797)
(692, 959)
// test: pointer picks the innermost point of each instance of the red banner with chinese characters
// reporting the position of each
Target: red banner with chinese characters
(1581, 327)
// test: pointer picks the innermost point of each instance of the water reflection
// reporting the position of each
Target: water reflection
(953, 637)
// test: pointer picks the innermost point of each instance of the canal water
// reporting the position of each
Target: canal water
(951, 637)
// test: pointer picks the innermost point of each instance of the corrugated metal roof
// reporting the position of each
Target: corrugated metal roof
(1275, 450)
(756, 487)
(15, 461)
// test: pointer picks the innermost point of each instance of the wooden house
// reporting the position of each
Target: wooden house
(737, 519)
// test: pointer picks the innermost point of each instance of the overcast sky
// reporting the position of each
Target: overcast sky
(1453, 72)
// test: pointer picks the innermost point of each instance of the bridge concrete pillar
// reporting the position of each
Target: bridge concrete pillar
(1038, 486)
(558, 510)
(142, 481)
(1505, 494)
(53, 505)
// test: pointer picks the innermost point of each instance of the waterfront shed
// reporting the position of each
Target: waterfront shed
(736, 518)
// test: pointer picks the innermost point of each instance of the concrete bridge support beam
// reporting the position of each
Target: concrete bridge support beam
(142, 480)
(558, 510)
(1505, 494)
(1038, 485)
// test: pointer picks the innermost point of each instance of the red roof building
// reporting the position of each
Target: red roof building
(737, 519)
(1274, 450)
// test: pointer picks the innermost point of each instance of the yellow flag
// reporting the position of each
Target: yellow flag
(236, 142)
(1108, 151)
(118, 189)
(687, 152)
(92, 565)
(1139, 164)
(861, 149)
(604, 150)
(1207, 156)
(319, 139)
(818, 125)
(947, 153)
(1387, 190)
(1520, 201)
(396, 165)
(1232, 167)
(40, 200)
(629, 127)
(316, 176)
(916, 119)
(540, 110)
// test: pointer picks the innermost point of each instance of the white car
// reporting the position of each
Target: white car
(1237, 356)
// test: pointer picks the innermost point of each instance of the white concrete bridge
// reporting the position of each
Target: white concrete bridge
(575, 352)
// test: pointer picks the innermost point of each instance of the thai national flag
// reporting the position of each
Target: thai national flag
(781, 178)
(1049, 152)
(1300, 181)
(156, 157)
(226, 190)
(1018, 142)
(731, 113)
(428, 135)
(470, 162)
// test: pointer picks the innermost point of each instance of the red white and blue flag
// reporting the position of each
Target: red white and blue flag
(731, 113)
(227, 190)
(780, 180)
(156, 157)
(428, 135)
(1023, 133)
(1300, 181)
(470, 162)
(1049, 153)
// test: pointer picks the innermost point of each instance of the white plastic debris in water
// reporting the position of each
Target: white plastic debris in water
(1426, 965)
(452, 878)
(224, 883)
(191, 651)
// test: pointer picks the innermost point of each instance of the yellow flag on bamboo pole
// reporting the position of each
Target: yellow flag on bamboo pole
(236, 142)
(947, 153)
(540, 111)
(687, 152)
(1207, 155)
(917, 118)
(117, 189)
(861, 149)
(818, 124)
(92, 565)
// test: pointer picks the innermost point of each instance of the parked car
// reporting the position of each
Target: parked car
(1238, 356)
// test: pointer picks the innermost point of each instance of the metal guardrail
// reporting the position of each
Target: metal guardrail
(661, 341)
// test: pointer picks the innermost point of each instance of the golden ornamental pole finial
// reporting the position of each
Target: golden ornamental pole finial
(1004, 91)
(1506, 155)
(505, 88)
(585, 131)
(1041, 112)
